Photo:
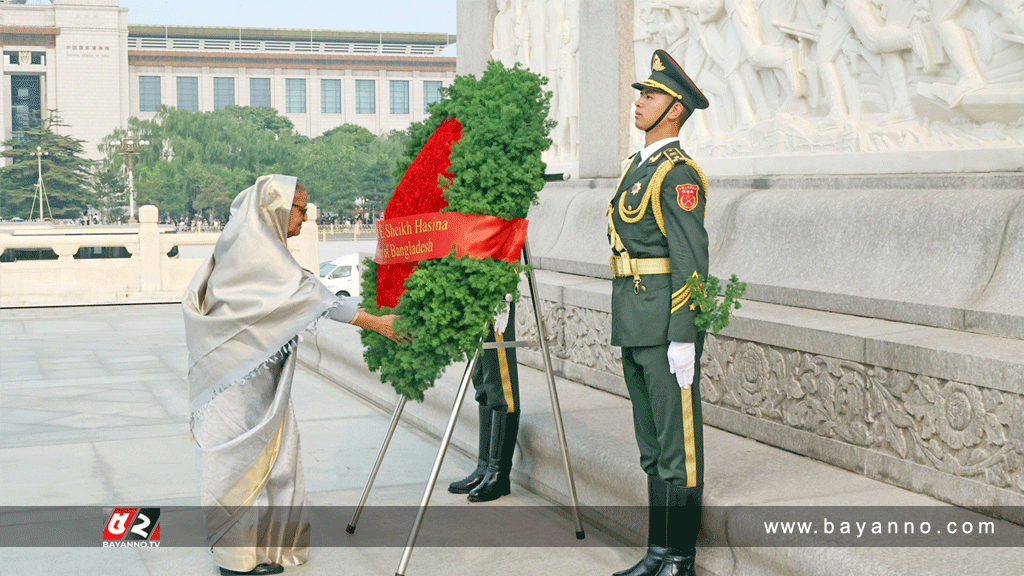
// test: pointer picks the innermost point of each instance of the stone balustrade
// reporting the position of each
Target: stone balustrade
(136, 263)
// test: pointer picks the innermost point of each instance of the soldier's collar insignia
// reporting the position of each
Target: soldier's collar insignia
(656, 64)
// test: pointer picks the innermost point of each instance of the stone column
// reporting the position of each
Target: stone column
(150, 274)
(605, 72)
(474, 28)
(606, 64)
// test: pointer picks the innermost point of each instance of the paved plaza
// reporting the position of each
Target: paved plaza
(93, 412)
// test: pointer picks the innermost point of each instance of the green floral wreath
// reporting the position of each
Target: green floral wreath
(449, 302)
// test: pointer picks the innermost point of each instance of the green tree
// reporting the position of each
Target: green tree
(346, 163)
(212, 194)
(262, 118)
(198, 161)
(66, 174)
(111, 189)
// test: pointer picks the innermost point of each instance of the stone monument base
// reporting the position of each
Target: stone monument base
(882, 329)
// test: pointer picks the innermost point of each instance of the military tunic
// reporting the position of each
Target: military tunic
(650, 309)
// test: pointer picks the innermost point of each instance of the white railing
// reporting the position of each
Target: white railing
(356, 231)
(297, 46)
(149, 275)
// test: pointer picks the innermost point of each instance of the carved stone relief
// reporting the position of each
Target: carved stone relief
(951, 427)
(844, 75)
(543, 35)
(578, 335)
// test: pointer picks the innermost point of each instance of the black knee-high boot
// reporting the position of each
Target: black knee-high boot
(656, 537)
(682, 521)
(483, 454)
(496, 482)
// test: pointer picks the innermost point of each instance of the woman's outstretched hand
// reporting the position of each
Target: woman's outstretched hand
(383, 325)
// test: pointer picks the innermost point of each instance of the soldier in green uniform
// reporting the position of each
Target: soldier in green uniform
(656, 231)
(496, 381)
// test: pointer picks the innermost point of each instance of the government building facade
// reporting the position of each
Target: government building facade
(82, 58)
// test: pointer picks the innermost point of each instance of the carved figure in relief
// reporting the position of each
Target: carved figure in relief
(667, 27)
(554, 17)
(828, 29)
(568, 82)
(883, 42)
(1012, 13)
(705, 61)
(690, 28)
(848, 58)
(954, 40)
(535, 35)
(507, 41)
(745, 18)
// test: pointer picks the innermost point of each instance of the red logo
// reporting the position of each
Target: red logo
(686, 196)
(127, 524)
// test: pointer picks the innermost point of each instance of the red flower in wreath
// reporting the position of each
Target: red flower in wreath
(419, 192)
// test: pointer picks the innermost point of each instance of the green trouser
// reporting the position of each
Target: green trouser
(496, 376)
(667, 419)
(669, 432)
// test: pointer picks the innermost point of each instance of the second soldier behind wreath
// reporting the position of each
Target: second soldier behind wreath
(496, 381)
(658, 240)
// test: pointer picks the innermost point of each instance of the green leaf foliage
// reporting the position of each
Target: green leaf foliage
(445, 310)
(715, 307)
(505, 128)
(449, 302)
(198, 161)
(346, 163)
(67, 179)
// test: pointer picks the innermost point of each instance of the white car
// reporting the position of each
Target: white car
(342, 275)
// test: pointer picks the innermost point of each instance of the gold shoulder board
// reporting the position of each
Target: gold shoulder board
(675, 155)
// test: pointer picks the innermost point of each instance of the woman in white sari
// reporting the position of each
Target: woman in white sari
(243, 312)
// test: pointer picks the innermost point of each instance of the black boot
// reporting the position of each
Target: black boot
(682, 523)
(483, 453)
(656, 501)
(496, 483)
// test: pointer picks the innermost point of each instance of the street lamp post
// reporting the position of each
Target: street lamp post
(40, 188)
(130, 148)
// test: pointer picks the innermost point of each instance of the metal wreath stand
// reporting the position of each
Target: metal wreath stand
(446, 438)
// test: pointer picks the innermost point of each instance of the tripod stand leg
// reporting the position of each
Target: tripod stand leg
(445, 441)
(555, 407)
(351, 529)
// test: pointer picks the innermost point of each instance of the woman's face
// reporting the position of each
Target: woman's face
(298, 213)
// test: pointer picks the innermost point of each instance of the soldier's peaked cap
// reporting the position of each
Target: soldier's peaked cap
(667, 76)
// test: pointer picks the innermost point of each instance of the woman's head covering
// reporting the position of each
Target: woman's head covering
(250, 297)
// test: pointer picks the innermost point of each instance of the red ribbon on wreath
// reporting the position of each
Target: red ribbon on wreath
(414, 229)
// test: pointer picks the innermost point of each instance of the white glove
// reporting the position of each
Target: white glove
(501, 318)
(681, 356)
